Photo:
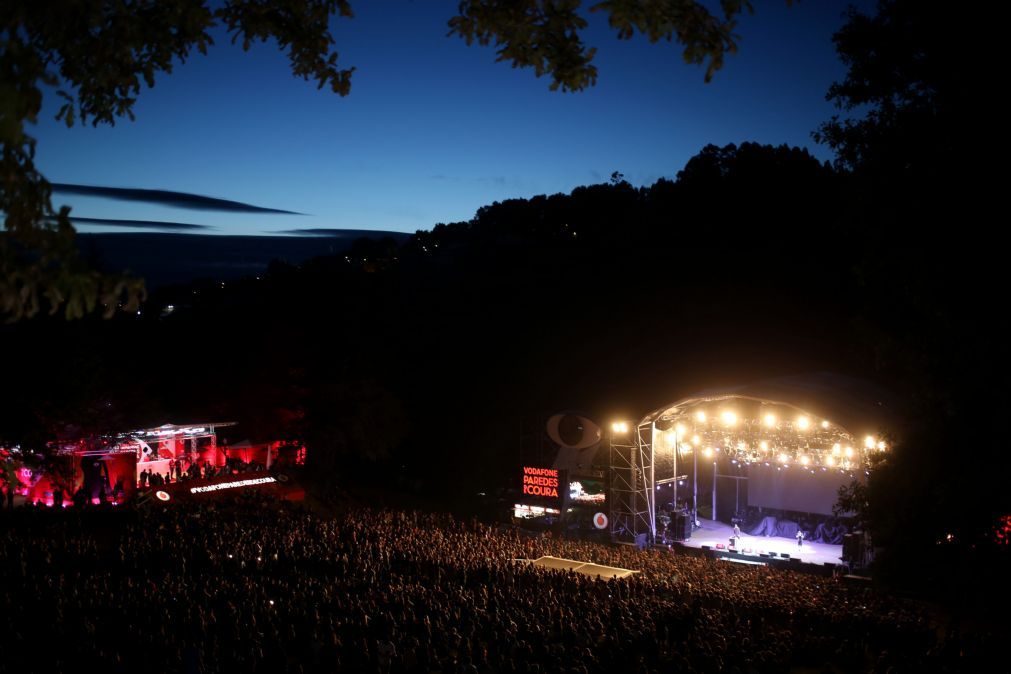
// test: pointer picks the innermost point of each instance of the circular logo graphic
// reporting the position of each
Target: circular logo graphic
(162, 495)
(600, 521)
(573, 430)
(281, 477)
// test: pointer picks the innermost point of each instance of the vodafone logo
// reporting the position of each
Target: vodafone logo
(162, 495)
(600, 521)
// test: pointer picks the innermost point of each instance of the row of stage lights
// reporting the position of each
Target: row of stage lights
(840, 456)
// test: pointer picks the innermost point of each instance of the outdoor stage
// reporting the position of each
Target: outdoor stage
(713, 533)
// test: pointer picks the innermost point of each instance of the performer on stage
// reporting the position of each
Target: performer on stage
(737, 530)
(800, 538)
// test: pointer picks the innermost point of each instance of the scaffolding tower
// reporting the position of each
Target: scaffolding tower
(633, 491)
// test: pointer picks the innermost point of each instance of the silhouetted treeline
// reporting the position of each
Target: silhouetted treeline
(720, 192)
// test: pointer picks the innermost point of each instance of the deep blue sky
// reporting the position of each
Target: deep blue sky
(434, 129)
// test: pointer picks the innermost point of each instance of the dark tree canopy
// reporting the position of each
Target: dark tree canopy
(545, 34)
(919, 75)
(915, 96)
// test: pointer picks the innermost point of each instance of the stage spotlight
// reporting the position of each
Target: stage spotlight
(729, 418)
(696, 441)
(869, 442)
(803, 423)
(619, 427)
(849, 452)
(708, 452)
(882, 446)
(783, 458)
(680, 430)
(770, 420)
(764, 445)
(700, 416)
(837, 449)
(824, 424)
(830, 461)
(804, 460)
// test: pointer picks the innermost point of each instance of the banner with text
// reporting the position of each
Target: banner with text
(544, 485)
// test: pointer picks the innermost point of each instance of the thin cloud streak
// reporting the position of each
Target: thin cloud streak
(341, 233)
(142, 224)
(196, 202)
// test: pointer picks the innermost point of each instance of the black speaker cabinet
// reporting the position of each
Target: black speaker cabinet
(682, 525)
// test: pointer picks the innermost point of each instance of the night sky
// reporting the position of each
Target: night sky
(434, 129)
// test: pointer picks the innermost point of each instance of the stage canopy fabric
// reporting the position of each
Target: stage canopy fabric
(854, 404)
(818, 422)
(585, 568)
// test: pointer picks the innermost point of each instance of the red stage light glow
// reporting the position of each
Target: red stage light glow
(1002, 532)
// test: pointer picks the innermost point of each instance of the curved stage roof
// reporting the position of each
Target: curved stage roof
(813, 420)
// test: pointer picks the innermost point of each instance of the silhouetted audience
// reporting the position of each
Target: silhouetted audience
(243, 584)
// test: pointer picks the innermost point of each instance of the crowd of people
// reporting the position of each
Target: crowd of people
(242, 584)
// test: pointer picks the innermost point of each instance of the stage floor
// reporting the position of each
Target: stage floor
(711, 533)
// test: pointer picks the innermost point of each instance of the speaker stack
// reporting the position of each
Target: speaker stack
(849, 547)
(682, 526)
(854, 548)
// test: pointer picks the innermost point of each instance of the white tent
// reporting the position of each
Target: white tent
(585, 568)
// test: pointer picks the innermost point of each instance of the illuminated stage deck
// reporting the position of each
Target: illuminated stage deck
(712, 533)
